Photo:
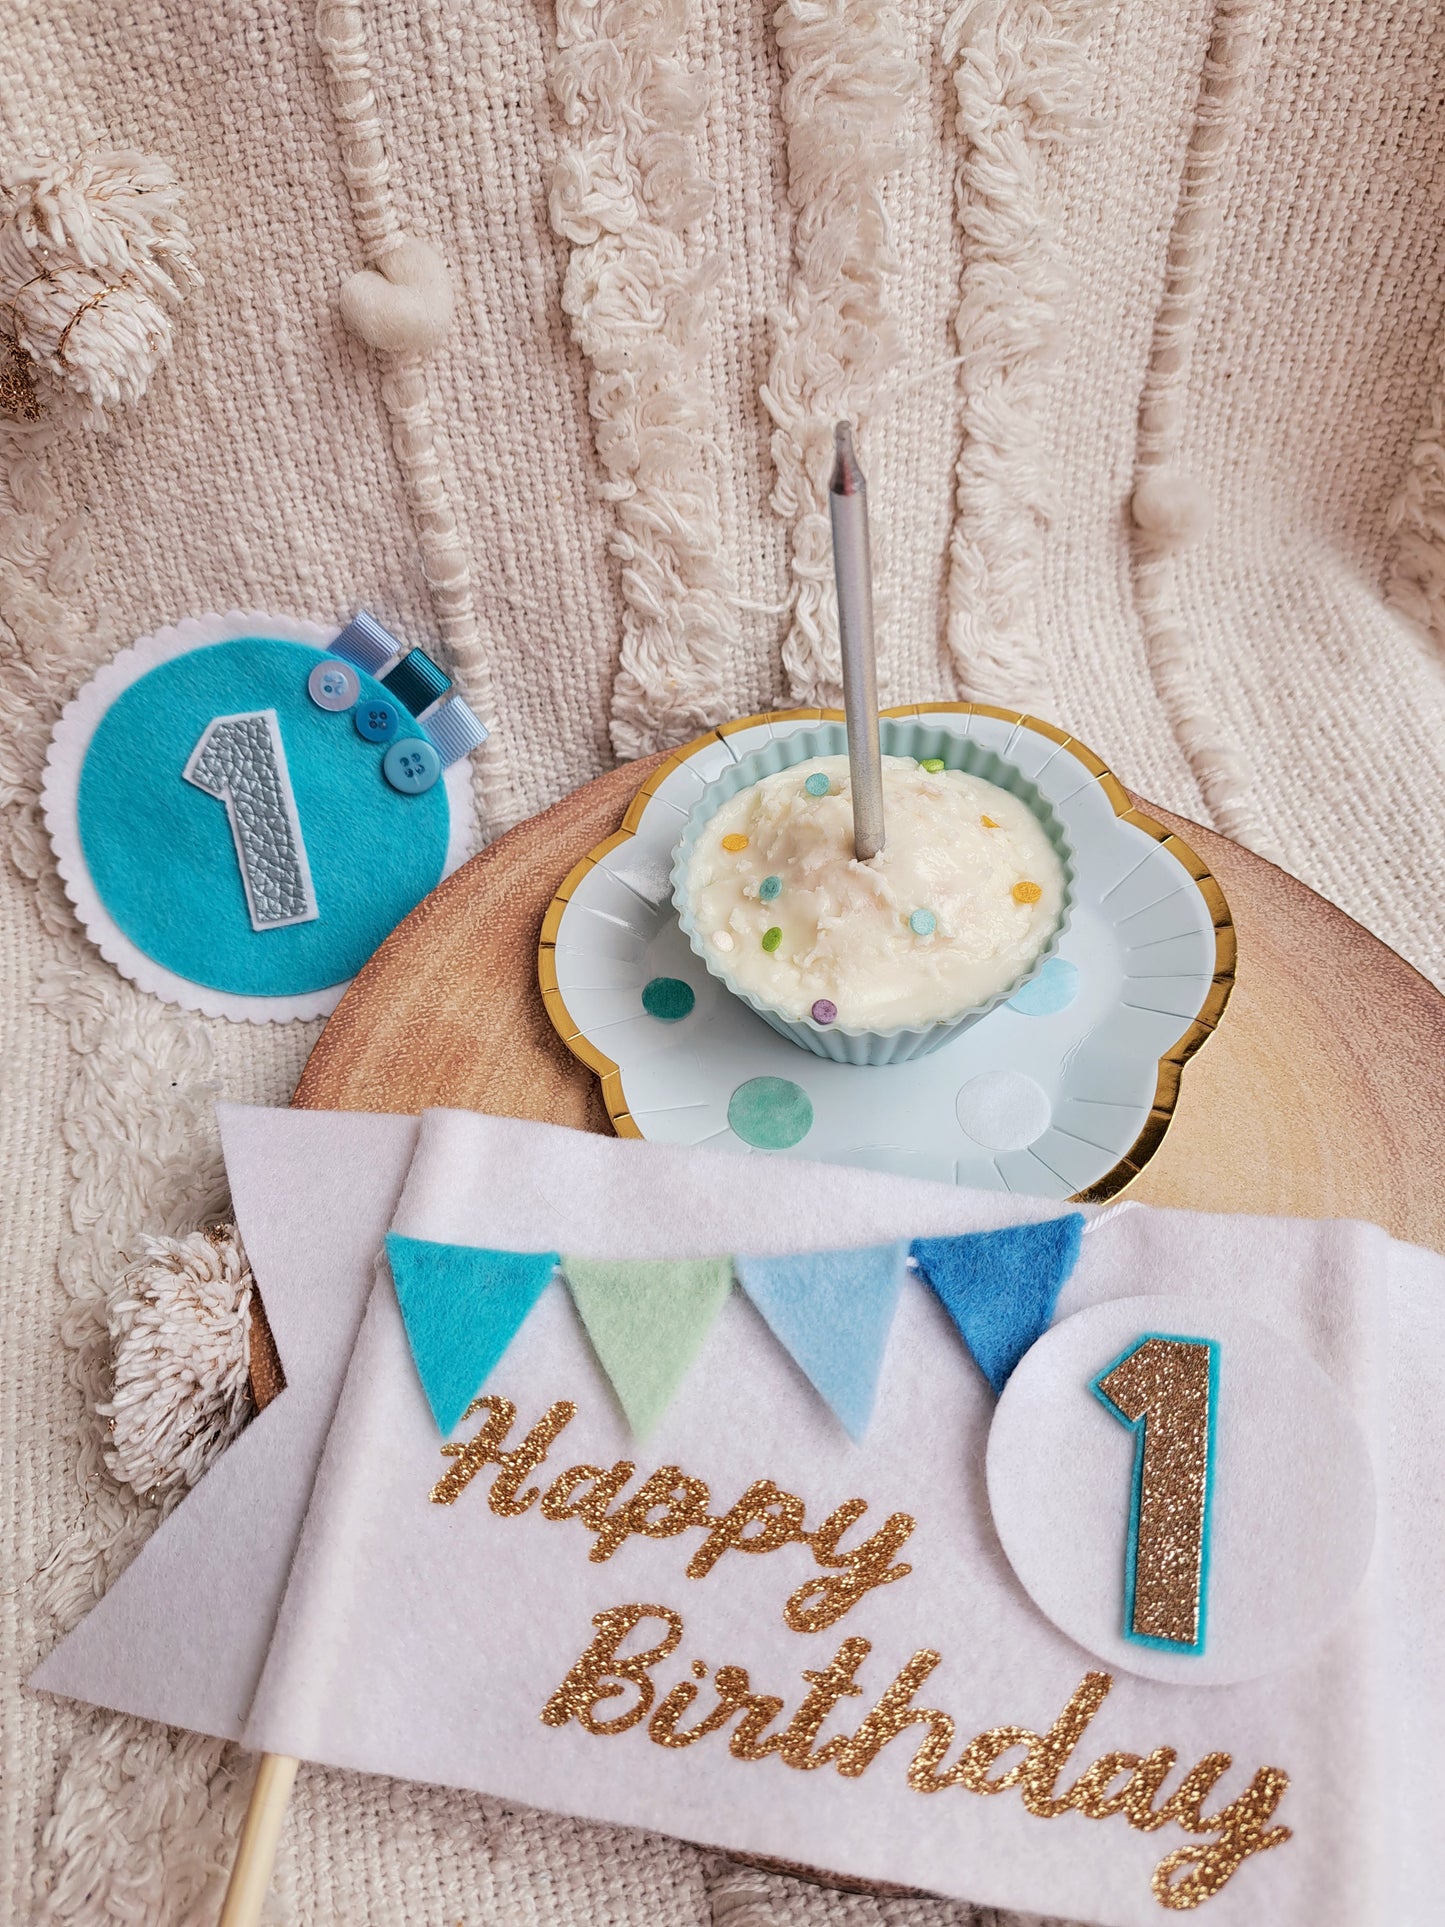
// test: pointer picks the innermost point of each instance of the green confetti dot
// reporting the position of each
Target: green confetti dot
(933, 764)
(769, 888)
(817, 784)
(770, 1113)
(923, 923)
(772, 938)
(668, 999)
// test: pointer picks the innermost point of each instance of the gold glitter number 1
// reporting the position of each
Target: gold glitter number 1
(1166, 1389)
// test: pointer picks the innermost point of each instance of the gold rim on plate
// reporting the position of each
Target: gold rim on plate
(1171, 1064)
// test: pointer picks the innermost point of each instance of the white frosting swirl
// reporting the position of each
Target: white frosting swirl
(959, 850)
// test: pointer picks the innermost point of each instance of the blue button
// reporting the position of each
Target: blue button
(377, 720)
(333, 685)
(411, 766)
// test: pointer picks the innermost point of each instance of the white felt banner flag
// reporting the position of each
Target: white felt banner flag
(1158, 1628)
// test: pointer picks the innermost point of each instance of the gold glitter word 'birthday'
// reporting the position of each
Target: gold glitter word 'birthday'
(1127, 1784)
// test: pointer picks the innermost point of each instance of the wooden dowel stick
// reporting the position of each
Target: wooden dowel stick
(256, 1855)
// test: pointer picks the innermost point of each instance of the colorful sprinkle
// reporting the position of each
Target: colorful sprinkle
(668, 999)
(770, 1113)
(923, 923)
(722, 939)
(769, 888)
(772, 938)
(734, 842)
(825, 1011)
(817, 784)
(933, 764)
(988, 823)
(1027, 892)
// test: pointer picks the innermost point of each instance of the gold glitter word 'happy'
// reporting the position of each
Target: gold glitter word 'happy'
(670, 1501)
(1125, 1784)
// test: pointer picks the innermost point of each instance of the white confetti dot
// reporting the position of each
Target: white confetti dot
(1003, 1110)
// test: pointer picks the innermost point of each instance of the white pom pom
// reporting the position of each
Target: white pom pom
(405, 308)
(1172, 507)
(94, 253)
(179, 1323)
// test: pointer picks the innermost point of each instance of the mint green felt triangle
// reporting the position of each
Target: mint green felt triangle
(647, 1319)
(462, 1306)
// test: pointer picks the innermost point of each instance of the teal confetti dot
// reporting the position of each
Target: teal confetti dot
(817, 784)
(772, 938)
(668, 999)
(923, 923)
(769, 888)
(1055, 988)
(770, 1113)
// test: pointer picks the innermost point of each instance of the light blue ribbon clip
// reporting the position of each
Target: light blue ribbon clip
(455, 730)
(367, 644)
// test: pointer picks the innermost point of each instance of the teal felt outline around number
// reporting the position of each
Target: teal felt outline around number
(1137, 1427)
(160, 855)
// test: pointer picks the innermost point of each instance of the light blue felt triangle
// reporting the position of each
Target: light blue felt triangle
(462, 1306)
(832, 1311)
(1000, 1287)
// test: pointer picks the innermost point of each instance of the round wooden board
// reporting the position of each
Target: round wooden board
(1319, 1096)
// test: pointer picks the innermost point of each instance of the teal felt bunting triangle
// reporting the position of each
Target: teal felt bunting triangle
(462, 1306)
(647, 1319)
(832, 1311)
(1000, 1287)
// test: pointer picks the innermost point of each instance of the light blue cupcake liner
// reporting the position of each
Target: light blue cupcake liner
(899, 738)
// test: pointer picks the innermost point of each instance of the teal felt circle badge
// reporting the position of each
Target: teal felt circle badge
(229, 842)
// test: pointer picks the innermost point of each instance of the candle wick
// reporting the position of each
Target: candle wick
(847, 477)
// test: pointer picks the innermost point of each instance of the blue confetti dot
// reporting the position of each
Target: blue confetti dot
(923, 923)
(817, 784)
(770, 1113)
(769, 888)
(1055, 988)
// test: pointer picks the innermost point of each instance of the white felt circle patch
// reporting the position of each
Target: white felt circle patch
(1292, 1505)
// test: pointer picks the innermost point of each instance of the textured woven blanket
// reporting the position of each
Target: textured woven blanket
(526, 327)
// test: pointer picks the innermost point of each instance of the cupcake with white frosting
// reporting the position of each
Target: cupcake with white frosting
(873, 962)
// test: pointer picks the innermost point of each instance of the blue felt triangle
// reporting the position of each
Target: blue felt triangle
(832, 1310)
(1000, 1287)
(462, 1307)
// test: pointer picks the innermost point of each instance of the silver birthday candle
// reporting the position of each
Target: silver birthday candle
(853, 570)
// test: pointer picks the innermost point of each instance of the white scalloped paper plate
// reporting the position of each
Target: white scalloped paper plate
(1151, 937)
(60, 792)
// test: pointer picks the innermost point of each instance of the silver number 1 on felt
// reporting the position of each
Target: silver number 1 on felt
(241, 761)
